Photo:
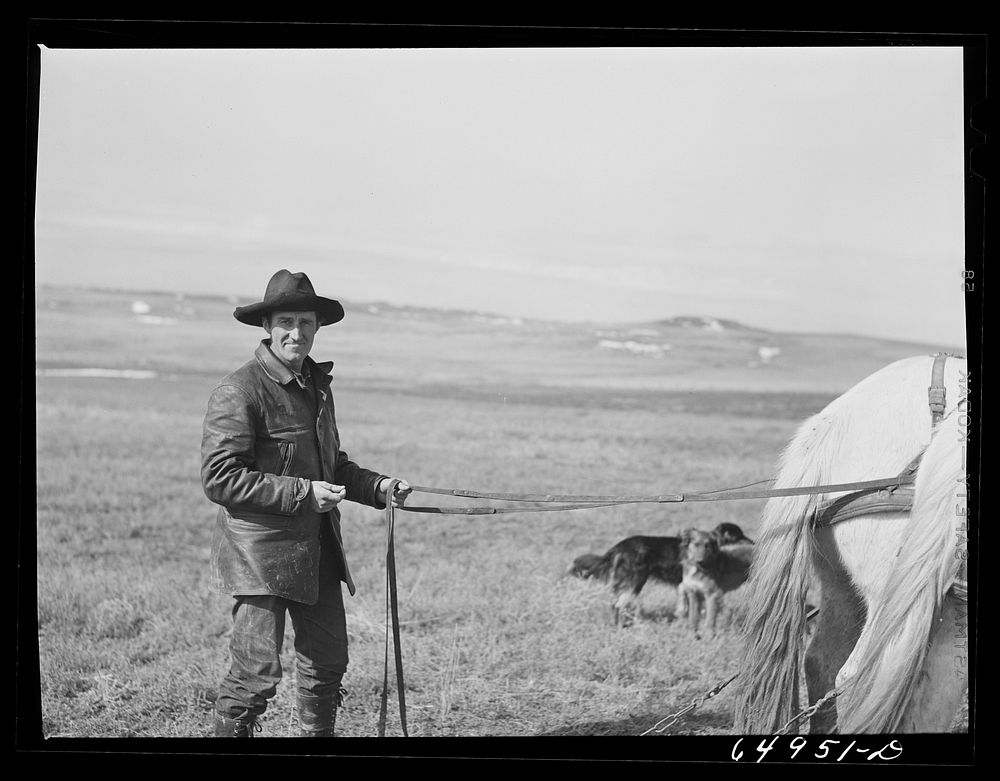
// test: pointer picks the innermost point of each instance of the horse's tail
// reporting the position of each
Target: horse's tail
(901, 623)
(774, 630)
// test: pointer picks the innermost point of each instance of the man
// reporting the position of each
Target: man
(271, 459)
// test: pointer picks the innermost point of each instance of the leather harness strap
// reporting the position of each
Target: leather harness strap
(936, 393)
(855, 505)
(392, 617)
(889, 500)
(894, 499)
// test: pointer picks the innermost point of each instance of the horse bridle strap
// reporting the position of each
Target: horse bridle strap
(392, 618)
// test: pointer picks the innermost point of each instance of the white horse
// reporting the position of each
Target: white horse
(892, 627)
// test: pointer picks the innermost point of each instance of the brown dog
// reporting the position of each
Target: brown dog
(630, 563)
(710, 569)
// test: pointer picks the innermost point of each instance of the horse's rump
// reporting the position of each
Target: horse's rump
(874, 430)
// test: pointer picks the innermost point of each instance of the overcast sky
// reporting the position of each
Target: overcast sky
(797, 189)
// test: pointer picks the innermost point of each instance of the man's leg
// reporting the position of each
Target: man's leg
(321, 649)
(255, 650)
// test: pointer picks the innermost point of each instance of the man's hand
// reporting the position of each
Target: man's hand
(325, 496)
(402, 491)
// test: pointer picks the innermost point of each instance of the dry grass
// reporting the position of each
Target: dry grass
(495, 640)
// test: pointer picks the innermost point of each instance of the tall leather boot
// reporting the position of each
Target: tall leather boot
(318, 715)
(243, 727)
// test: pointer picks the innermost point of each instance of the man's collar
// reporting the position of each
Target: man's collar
(281, 374)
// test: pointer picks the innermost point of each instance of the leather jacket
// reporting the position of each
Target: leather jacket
(265, 438)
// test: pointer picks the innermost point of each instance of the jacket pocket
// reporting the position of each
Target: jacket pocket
(286, 450)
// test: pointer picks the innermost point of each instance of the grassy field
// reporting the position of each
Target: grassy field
(496, 642)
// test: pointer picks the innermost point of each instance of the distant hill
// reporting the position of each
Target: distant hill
(706, 323)
(380, 342)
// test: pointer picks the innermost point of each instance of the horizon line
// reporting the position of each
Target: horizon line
(496, 314)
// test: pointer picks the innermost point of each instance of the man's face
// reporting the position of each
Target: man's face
(292, 335)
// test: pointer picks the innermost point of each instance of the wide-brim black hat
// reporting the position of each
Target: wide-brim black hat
(292, 293)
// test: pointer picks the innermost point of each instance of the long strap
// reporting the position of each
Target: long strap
(392, 617)
(586, 502)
